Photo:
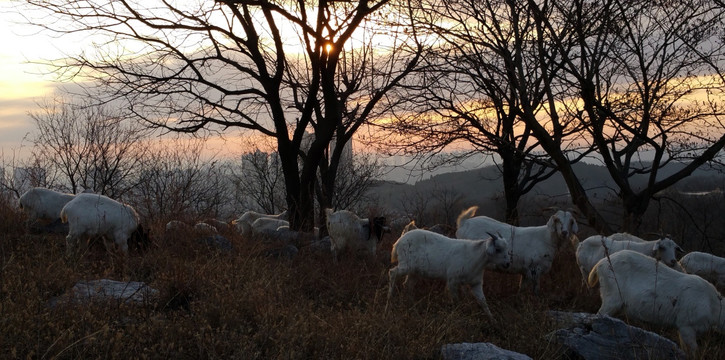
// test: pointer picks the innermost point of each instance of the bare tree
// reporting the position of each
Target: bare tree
(432, 204)
(355, 177)
(649, 80)
(273, 67)
(489, 84)
(18, 175)
(92, 147)
(179, 183)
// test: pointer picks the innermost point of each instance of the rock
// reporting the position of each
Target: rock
(132, 292)
(217, 242)
(590, 336)
(288, 251)
(322, 245)
(479, 351)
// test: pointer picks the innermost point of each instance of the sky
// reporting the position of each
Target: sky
(24, 83)
(21, 84)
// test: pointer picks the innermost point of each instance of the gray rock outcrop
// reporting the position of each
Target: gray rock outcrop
(131, 292)
(217, 242)
(599, 337)
(479, 351)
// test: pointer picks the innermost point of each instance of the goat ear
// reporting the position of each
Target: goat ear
(574, 226)
(491, 246)
(555, 224)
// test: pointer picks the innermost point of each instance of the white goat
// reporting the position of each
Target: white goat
(533, 248)
(596, 247)
(44, 204)
(266, 225)
(707, 266)
(347, 230)
(625, 237)
(458, 261)
(178, 226)
(221, 226)
(97, 215)
(243, 224)
(285, 234)
(644, 290)
(205, 229)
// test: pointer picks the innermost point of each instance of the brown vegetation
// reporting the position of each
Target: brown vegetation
(244, 305)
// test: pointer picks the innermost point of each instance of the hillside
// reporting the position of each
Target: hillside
(483, 184)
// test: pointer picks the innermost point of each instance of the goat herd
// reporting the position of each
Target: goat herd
(640, 279)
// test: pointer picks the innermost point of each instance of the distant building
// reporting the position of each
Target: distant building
(346, 157)
(5, 192)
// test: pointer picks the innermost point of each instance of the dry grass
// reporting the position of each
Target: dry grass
(243, 305)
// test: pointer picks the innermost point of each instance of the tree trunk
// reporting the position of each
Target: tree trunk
(578, 195)
(511, 188)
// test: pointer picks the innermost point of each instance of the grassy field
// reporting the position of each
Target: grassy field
(243, 305)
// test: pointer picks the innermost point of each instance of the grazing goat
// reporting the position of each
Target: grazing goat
(707, 266)
(178, 226)
(645, 290)
(265, 225)
(205, 229)
(97, 215)
(533, 248)
(596, 247)
(347, 230)
(458, 261)
(221, 226)
(43, 204)
(243, 224)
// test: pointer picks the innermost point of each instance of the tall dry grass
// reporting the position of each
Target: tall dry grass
(242, 305)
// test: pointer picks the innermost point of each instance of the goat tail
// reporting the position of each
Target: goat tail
(63, 216)
(394, 253)
(328, 212)
(465, 215)
(593, 276)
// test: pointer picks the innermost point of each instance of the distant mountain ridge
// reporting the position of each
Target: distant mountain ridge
(484, 184)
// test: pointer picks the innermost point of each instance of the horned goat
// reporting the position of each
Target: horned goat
(458, 261)
(641, 288)
(533, 248)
